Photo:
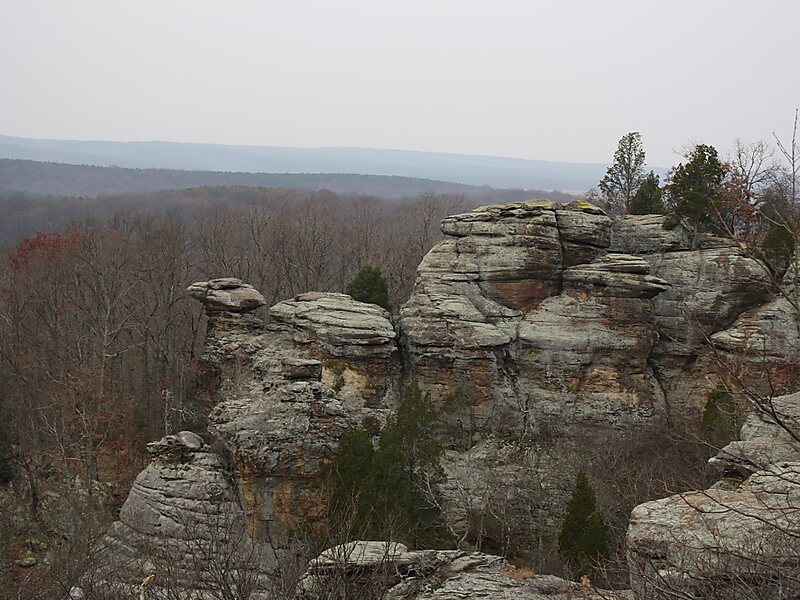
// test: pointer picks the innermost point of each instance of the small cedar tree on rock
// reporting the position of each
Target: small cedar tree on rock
(695, 186)
(583, 539)
(369, 285)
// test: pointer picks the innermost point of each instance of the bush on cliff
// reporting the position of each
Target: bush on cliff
(392, 491)
(583, 539)
(369, 285)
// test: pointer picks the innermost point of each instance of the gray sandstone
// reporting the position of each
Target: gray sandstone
(526, 318)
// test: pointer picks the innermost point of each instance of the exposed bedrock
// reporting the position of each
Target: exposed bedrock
(522, 317)
(738, 539)
(286, 390)
(392, 572)
(527, 319)
(182, 506)
(719, 299)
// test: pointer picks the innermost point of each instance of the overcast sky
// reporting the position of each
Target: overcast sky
(554, 80)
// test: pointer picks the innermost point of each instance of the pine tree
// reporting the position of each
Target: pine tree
(648, 198)
(393, 491)
(352, 498)
(694, 188)
(369, 285)
(583, 539)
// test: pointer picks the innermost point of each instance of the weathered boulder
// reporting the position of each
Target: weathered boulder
(341, 326)
(183, 506)
(735, 541)
(391, 572)
(228, 294)
(354, 342)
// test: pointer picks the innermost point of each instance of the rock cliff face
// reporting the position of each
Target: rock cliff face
(527, 318)
(523, 317)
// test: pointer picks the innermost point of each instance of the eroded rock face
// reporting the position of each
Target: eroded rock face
(522, 316)
(528, 319)
(286, 390)
(181, 507)
(719, 294)
(279, 443)
(393, 572)
(733, 540)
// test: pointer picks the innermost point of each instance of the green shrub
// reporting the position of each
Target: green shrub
(778, 247)
(370, 286)
(583, 539)
(392, 491)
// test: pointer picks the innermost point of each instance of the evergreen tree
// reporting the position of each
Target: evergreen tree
(392, 491)
(778, 247)
(623, 178)
(648, 198)
(694, 188)
(583, 539)
(370, 286)
(351, 497)
(720, 421)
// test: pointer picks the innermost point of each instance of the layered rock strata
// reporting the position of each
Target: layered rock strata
(522, 316)
(391, 572)
(182, 507)
(738, 539)
(528, 320)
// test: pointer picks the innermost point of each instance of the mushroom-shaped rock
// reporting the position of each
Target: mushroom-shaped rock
(226, 295)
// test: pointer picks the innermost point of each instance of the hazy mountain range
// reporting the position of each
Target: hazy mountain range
(493, 171)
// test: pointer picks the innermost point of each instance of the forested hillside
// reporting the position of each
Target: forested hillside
(60, 179)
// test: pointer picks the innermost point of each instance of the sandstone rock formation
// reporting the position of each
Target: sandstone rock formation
(182, 507)
(527, 319)
(393, 572)
(738, 539)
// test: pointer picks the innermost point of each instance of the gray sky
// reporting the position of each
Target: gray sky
(553, 80)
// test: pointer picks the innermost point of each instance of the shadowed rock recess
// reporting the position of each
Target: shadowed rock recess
(527, 319)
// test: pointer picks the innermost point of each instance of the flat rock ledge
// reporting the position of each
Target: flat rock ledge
(392, 572)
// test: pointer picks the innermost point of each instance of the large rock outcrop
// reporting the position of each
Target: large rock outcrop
(391, 572)
(739, 539)
(524, 317)
(529, 321)
(284, 393)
